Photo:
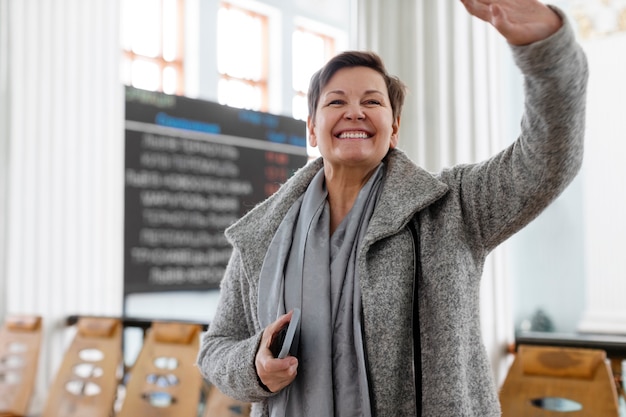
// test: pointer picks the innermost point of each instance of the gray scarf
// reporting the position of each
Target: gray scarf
(303, 260)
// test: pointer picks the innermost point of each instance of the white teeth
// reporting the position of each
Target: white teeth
(353, 135)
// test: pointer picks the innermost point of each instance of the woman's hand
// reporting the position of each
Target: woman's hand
(274, 373)
(521, 22)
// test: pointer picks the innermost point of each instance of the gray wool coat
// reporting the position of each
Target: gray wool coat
(463, 213)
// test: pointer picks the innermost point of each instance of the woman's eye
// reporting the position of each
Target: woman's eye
(335, 102)
(373, 102)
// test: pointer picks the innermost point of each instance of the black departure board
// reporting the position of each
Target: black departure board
(192, 168)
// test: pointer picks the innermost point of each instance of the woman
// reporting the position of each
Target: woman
(350, 234)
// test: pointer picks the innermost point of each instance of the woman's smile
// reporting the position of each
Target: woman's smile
(354, 134)
(353, 124)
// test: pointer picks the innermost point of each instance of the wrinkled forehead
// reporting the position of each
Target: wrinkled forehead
(355, 81)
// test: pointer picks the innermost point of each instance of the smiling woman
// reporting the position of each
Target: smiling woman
(353, 97)
(384, 259)
(354, 128)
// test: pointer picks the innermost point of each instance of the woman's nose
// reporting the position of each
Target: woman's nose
(354, 112)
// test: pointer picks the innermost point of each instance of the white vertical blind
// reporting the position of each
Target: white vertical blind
(451, 64)
(65, 180)
(4, 145)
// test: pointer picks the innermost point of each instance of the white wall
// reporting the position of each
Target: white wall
(604, 185)
(568, 262)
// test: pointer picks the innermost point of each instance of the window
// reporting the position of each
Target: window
(152, 43)
(310, 52)
(242, 58)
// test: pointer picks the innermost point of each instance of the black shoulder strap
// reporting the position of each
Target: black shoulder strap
(417, 348)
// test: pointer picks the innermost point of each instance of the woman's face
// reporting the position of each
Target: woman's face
(354, 125)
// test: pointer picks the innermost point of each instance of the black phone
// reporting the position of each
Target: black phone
(282, 341)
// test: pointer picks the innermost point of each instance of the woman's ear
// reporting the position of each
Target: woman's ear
(310, 125)
(395, 128)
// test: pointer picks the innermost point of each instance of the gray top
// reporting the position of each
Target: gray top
(464, 212)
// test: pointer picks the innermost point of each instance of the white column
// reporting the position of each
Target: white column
(64, 237)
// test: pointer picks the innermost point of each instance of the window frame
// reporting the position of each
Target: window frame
(178, 63)
(263, 83)
(330, 48)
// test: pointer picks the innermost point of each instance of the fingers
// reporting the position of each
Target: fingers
(498, 18)
(488, 10)
(269, 332)
(521, 22)
(480, 9)
(274, 373)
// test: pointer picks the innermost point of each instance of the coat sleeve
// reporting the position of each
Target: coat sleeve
(506, 192)
(228, 348)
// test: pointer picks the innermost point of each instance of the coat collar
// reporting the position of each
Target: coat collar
(407, 189)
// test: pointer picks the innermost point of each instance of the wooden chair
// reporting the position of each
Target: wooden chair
(87, 380)
(164, 380)
(554, 382)
(20, 342)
